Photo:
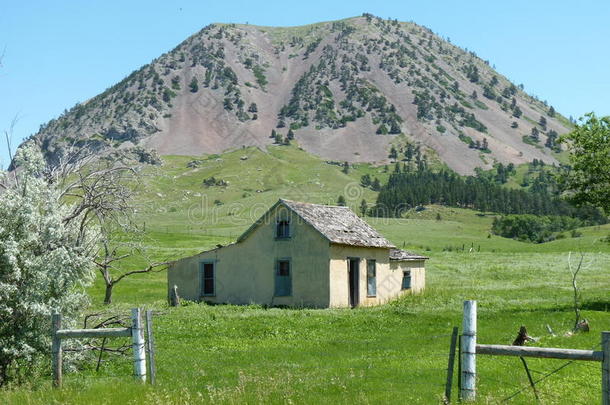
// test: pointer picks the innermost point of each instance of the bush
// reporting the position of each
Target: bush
(533, 228)
(44, 264)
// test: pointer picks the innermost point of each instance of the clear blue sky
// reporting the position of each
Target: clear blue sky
(58, 53)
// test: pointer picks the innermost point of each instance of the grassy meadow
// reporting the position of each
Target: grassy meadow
(396, 353)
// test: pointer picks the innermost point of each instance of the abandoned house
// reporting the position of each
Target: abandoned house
(301, 254)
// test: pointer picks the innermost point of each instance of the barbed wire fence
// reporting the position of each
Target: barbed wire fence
(104, 339)
(498, 367)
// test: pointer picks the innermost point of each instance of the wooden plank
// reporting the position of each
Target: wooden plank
(469, 352)
(150, 344)
(93, 333)
(450, 364)
(540, 352)
(56, 351)
(606, 368)
(139, 351)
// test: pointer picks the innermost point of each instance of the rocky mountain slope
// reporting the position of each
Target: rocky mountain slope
(346, 90)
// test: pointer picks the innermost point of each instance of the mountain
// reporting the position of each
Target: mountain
(349, 90)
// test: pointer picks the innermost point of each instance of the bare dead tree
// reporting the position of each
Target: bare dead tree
(110, 263)
(574, 271)
(103, 191)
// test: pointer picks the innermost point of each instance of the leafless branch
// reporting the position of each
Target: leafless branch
(576, 289)
(151, 268)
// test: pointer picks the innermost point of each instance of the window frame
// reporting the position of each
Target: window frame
(288, 229)
(202, 278)
(276, 276)
(368, 278)
(406, 274)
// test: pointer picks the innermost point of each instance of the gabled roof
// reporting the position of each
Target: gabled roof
(403, 255)
(339, 225)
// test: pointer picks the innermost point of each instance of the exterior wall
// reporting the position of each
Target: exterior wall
(389, 275)
(387, 287)
(245, 271)
(418, 274)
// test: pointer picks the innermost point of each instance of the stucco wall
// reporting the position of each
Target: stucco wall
(245, 271)
(387, 288)
(418, 274)
(389, 275)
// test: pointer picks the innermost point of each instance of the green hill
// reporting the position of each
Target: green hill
(394, 353)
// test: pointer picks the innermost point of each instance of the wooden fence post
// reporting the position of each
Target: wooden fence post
(150, 344)
(469, 349)
(139, 352)
(174, 298)
(450, 365)
(606, 368)
(56, 352)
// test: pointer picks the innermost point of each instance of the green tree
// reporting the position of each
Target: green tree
(341, 201)
(588, 181)
(364, 207)
(551, 112)
(46, 260)
(485, 145)
(535, 135)
(194, 85)
(394, 127)
(517, 112)
(345, 168)
(542, 123)
(365, 180)
(253, 108)
(376, 184)
(382, 130)
(409, 152)
(393, 153)
(290, 135)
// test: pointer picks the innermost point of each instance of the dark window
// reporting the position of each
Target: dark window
(283, 281)
(371, 278)
(207, 279)
(283, 229)
(406, 280)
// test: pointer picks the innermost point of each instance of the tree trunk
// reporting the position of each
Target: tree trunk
(108, 296)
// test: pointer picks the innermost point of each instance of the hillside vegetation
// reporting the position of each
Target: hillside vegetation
(345, 90)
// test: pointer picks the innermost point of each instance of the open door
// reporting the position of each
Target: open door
(353, 265)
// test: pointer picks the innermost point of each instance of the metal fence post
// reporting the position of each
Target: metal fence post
(606, 368)
(56, 352)
(469, 348)
(139, 351)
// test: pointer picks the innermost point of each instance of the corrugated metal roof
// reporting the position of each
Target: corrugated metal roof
(399, 254)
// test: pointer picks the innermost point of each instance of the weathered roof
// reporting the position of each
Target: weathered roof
(339, 225)
(403, 255)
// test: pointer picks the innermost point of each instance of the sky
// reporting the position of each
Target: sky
(58, 53)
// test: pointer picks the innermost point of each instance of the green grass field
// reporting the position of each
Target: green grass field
(396, 353)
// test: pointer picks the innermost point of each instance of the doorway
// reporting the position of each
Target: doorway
(353, 275)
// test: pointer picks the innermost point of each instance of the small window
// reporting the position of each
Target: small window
(371, 278)
(283, 229)
(283, 281)
(207, 279)
(406, 280)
